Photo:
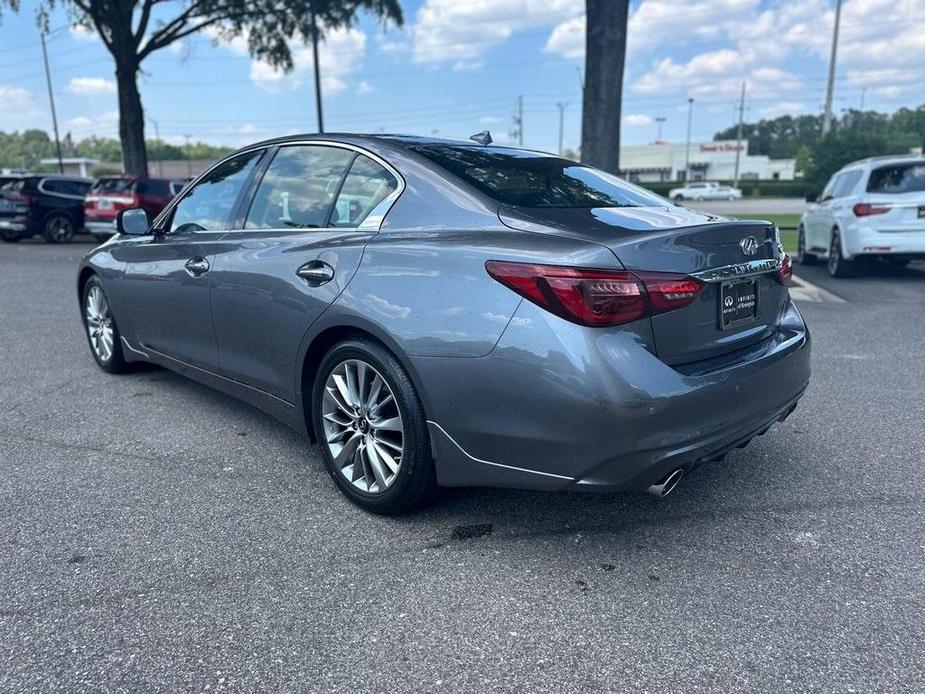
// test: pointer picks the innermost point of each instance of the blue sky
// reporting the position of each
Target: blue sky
(457, 67)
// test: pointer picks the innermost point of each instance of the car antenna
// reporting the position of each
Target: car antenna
(483, 138)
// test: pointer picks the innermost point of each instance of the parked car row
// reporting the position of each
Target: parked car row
(869, 210)
(56, 207)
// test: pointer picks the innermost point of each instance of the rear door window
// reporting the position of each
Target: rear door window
(367, 184)
(115, 186)
(299, 187)
(155, 187)
(846, 183)
(898, 178)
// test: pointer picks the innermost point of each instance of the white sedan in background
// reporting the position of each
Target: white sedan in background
(704, 190)
(874, 208)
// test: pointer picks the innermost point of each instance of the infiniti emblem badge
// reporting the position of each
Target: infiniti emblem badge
(749, 245)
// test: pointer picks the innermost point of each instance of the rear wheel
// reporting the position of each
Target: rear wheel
(803, 257)
(58, 228)
(678, 199)
(372, 429)
(837, 264)
(102, 331)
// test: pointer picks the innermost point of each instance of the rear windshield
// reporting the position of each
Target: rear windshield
(532, 179)
(113, 185)
(898, 178)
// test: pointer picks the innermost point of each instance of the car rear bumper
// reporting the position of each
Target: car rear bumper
(100, 227)
(558, 406)
(866, 240)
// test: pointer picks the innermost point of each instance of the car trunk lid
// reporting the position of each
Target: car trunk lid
(736, 260)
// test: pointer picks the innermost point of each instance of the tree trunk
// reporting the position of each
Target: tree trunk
(605, 55)
(131, 117)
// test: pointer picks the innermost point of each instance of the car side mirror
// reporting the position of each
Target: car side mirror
(812, 196)
(133, 222)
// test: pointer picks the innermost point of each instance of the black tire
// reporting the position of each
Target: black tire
(678, 199)
(897, 263)
(9, 236)
(804, 257)
(115, 362)
(415, 481)
(837, 264)
(58, 228)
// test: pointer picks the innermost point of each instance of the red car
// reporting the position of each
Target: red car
(111, 195)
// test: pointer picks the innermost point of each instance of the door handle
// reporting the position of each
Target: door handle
(197, 266)
(316, 273)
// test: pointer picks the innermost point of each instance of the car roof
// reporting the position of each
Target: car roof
(399, 140)
(884, 160)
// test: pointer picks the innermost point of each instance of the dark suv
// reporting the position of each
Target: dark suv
(49, 206)
(112, 194)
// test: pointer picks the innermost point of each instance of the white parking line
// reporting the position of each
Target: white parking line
(801, 290)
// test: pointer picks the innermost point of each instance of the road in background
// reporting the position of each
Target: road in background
(159, 536)
(749, 206)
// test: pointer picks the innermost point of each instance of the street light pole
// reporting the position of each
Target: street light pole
(687, 163)
(735, 177)
(827, 116)
(317, 68)
(51, 100)
(660, 120)
(561, 123)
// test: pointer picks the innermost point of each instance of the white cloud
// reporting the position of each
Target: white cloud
(365, 87)
(568, 39)
(490, 120)
(340, 53)
(782, 108)
(449, 30)
(19, 109)
(82, 33)
(90, 86)
(636, 119)
(104, 124)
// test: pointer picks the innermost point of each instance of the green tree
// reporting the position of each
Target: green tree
(605, 57)
(132, 30)
(843, 146)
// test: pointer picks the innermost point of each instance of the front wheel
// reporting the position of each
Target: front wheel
(101, 328)
(372, 429)
(58, 228)
(803, 257)
(678, 199)
(837, 264)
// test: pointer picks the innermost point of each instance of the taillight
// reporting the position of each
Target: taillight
(785, 273)
(596, 297)
(866, 209)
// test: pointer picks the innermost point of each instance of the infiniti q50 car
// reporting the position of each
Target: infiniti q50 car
(444, 313)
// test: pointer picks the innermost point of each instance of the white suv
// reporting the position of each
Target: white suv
(874, 208)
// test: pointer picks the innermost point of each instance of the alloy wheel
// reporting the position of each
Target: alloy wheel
(363, 427)
(60, 229)
(99, 324)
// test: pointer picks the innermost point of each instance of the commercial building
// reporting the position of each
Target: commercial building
(707, 161)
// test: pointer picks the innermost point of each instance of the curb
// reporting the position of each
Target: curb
(801, 290)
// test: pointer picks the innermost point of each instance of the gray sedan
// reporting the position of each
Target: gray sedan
(445, 313)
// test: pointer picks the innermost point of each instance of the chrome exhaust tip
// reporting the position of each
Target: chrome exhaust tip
(667, 484)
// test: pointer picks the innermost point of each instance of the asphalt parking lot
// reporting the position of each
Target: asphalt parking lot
(159, 536)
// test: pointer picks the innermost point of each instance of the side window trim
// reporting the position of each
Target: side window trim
(340, 185)
(373, 221)
(249, 191)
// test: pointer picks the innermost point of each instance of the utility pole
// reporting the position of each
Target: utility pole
(520, 121)
(735, 176)
(317, 68)
(189, 163)
(687, 163)
(561, 123)
(157, 136)
(827, 117)
(863, 94)
(661, 121)
(51, 100)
